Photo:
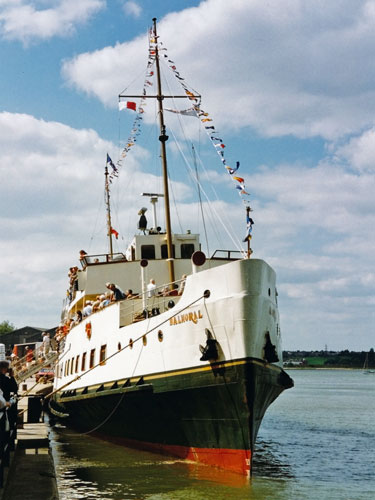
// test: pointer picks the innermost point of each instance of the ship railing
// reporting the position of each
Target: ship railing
(24, 369)
(104, 258)
(228, 255)
(142, 306)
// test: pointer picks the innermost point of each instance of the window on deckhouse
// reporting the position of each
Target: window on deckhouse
(187, 250)
(164, 251)
(148, 252)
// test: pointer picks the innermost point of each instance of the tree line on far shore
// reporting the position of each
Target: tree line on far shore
(6, 327)
(322, 359)
(329, 359)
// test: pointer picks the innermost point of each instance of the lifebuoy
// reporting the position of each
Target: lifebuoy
(88, 330)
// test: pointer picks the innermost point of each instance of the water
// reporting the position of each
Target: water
(317, 441)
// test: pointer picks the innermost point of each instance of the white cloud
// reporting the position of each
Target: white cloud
(311, 224)
(291, 67)
(28, 21)
(132, 9)
(51, 205)
(297, 67)
(359, 152)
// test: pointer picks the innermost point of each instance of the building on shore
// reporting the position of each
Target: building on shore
(24, 335)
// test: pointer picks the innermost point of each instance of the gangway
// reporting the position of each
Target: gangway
(22, 369)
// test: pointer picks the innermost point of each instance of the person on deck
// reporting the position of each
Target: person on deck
(87, 310)
(151, 289)
(96, 304)
(46, 343)
(8, 383)
(9, 388)
(117, 293)
(29, 356)
(83, 258)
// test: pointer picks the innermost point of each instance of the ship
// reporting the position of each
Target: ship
(189, 361)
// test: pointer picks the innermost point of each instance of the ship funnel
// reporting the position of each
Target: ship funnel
(197, 260)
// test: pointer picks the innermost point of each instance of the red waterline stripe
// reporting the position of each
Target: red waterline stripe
(232, 460)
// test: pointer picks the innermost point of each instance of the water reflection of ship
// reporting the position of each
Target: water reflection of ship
(188, 373)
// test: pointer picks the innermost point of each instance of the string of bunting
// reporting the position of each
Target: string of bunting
(195, 110)
(136, 129)
(213, 135)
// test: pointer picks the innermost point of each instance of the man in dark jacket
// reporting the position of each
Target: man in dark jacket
(117, 293)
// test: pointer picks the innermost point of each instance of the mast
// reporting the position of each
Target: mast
(163, 139)
(109, 224)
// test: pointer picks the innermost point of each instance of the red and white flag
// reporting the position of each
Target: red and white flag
(127, 105)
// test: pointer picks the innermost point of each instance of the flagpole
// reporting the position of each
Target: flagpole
(249, 252)
(163, 139)
(109, 224)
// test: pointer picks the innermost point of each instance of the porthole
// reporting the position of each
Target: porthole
(119, 346)
(131, 343)
(160, 336)
(144, 340)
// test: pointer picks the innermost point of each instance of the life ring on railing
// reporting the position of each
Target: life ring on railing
(88, 330)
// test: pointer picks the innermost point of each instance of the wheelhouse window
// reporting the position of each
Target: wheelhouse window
(92, 357)
(164, 251)
(103, 354)
(148, 252)
(83, 363)
(187, 250)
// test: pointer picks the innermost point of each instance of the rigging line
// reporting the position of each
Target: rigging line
(116, 406)
(238, 244)
(175, 206)
(136, 78)
(197, 108)
(78, 377)
(191, 174)
(200, 199)
(204, 296)
(204, 192)
(94, 231)
(180, 120)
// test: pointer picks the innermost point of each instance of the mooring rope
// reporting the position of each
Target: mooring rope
(206, 294)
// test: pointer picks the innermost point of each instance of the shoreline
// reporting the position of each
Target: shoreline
(322, 368)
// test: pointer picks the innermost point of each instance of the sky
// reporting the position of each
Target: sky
(290, 87)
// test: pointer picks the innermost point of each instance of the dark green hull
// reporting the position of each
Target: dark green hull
(210, 414)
